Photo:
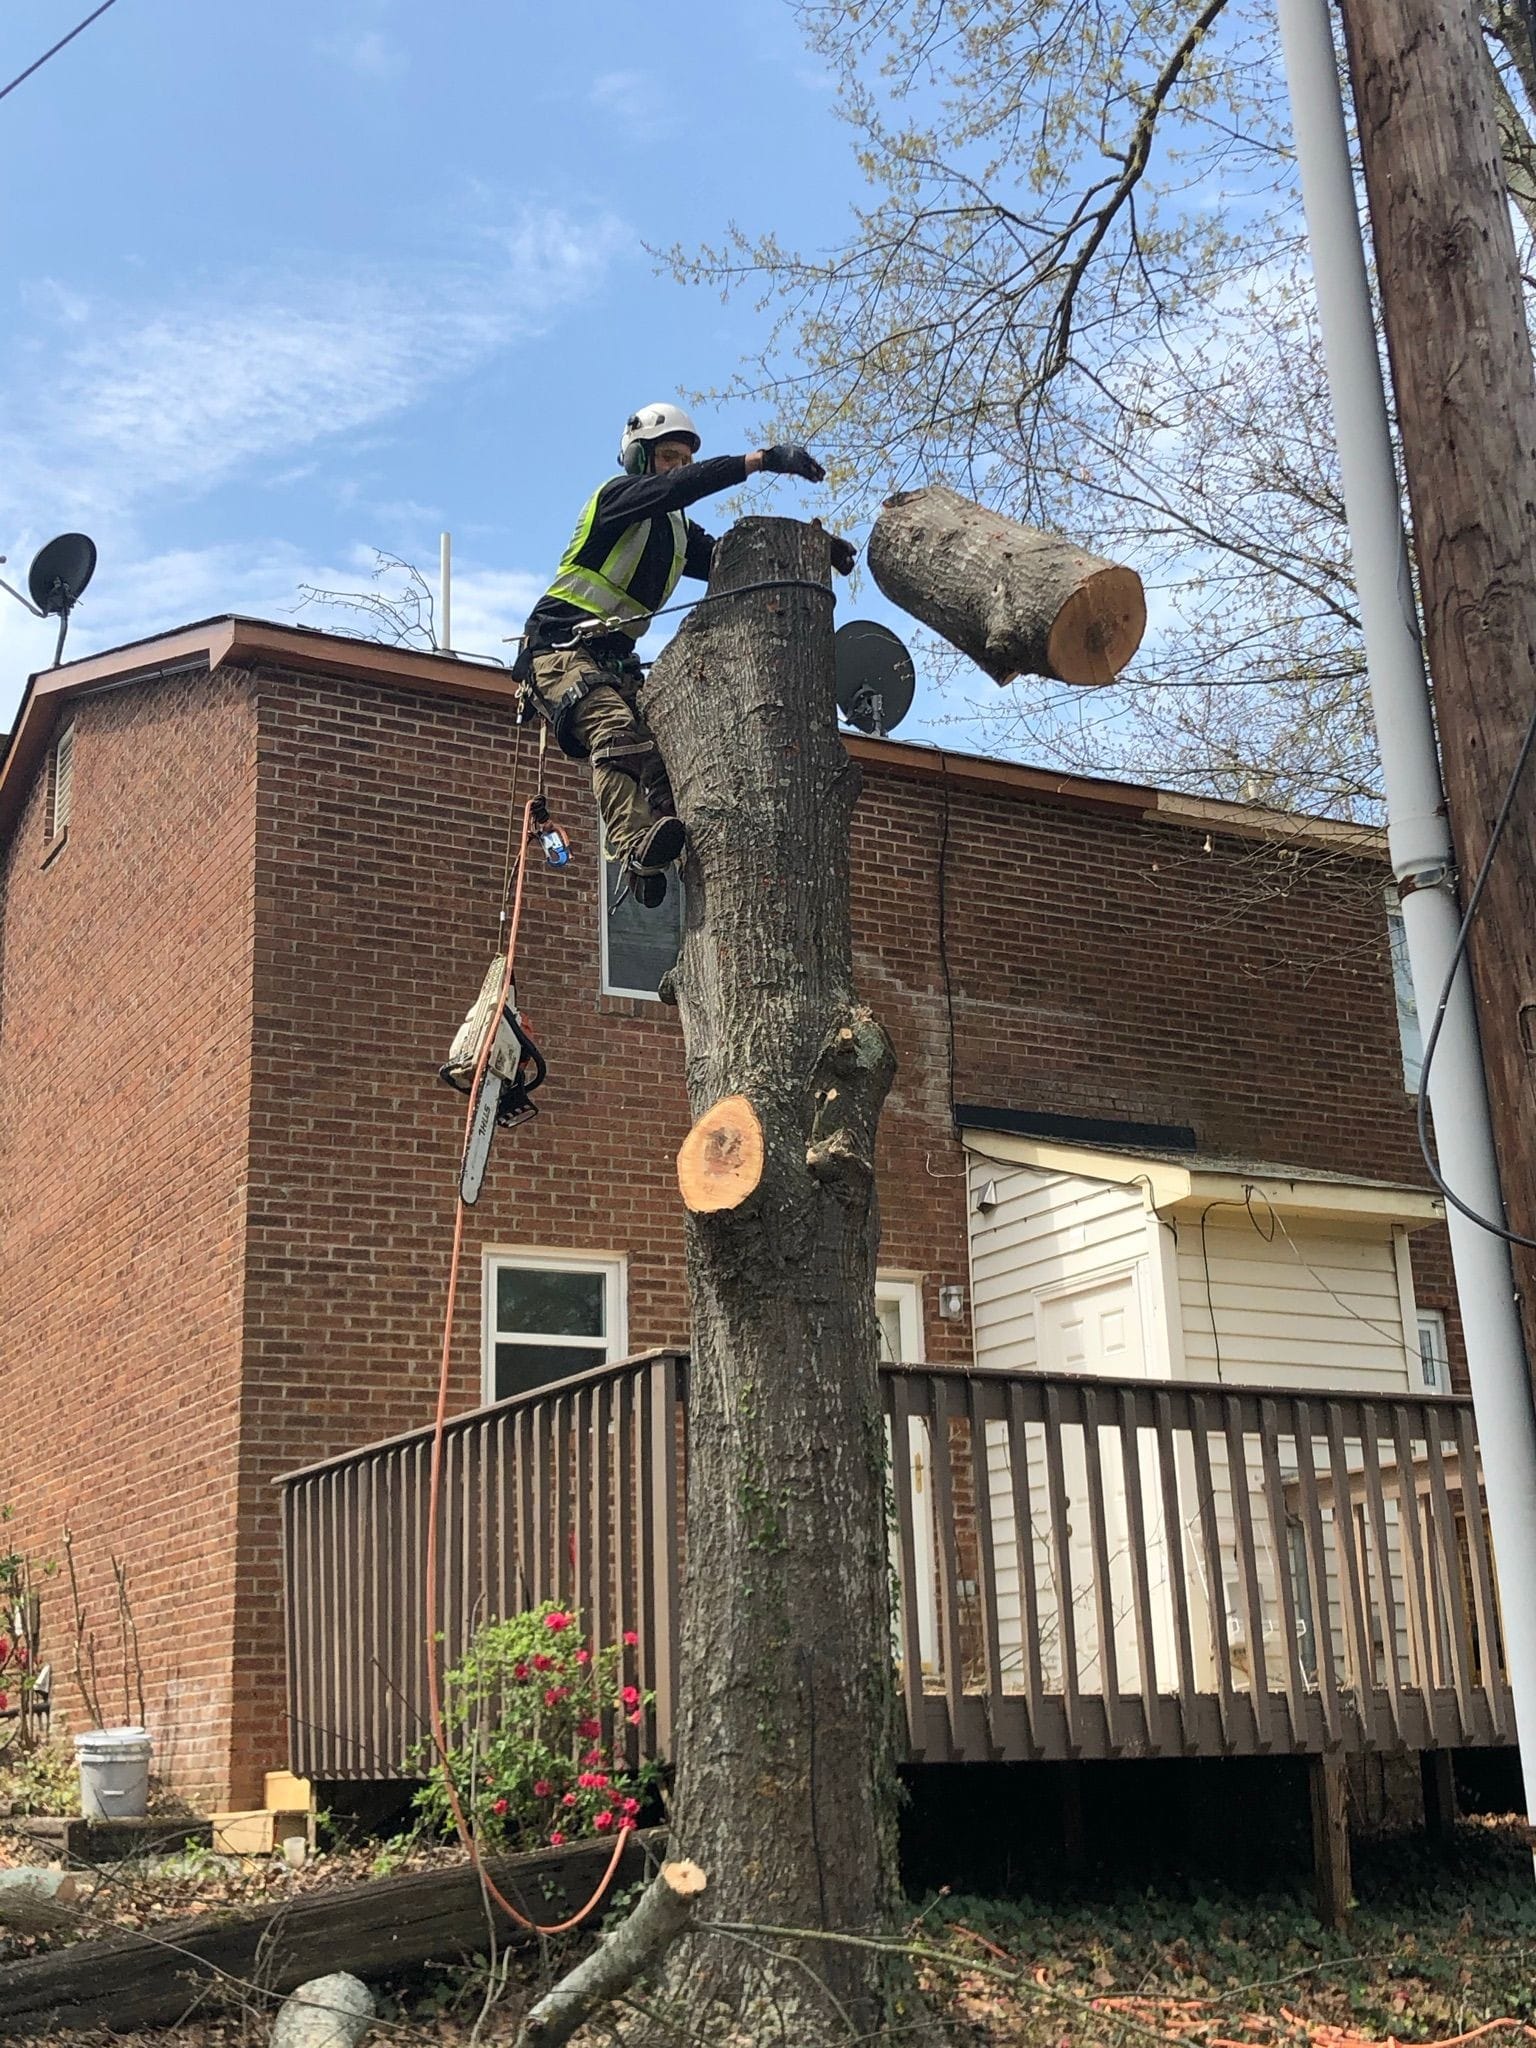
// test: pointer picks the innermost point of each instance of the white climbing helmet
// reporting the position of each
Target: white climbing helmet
(653, 423)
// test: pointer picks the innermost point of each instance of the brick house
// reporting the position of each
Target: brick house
(1150, 1129)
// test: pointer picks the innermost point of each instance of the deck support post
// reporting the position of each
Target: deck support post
(1330, 1838)
(1438, 1778)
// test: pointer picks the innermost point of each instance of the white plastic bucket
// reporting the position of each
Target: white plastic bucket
(114, 1773)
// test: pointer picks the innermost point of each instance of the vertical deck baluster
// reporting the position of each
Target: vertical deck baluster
(664, 1375)
(1178, 1568)
(1453, 1622)
(978, 1401)
(1061, 1565)
(1259, 1700)
(1356, 1628)
(1484, 1591)
(1024, 1550)
(899, 1387)
(1103, 1583)
(1376, 1510)
(939, 1444)
(1421, 1623)
(1280, 1550)
(1317, 1574)
(1160, 1733)
(1210, 1548)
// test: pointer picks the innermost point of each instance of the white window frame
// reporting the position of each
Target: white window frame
(606, 874)
(906, 1291)
(612, 1266)
(1434, 1351)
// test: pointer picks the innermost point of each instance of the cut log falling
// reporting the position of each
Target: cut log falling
(1016, 600)
(37, 1901)
(327, 2012)
(720, 1161)
(665, 1911)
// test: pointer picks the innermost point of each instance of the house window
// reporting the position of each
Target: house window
(1434, 1353)
(61, 776)
(638, 945)
(899, 1312)
(549, 1315)
(1410, 1038)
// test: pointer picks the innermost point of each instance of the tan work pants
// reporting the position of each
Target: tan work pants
(629, 778)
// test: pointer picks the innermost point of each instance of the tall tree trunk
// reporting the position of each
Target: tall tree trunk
(785, 1752)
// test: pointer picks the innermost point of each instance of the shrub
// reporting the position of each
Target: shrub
(535, 1725)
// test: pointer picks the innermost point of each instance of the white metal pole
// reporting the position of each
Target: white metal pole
(1418, 836)
(445, 592)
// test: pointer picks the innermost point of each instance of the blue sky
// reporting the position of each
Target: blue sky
(287, 283)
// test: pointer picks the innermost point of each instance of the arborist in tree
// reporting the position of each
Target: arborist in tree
(632, 543)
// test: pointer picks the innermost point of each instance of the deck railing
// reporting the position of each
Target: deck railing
(1087, 1567)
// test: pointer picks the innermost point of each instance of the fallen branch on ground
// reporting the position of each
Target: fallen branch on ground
(665, 1911)
(37, 1901)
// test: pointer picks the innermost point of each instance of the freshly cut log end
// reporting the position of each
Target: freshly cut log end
(1098, 629)
(720, 1161)
(1017, 600)
(684, 1878)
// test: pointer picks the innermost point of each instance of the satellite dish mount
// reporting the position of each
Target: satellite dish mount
(59, 573)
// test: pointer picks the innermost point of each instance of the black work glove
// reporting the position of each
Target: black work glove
(844, 554)
(787, 458)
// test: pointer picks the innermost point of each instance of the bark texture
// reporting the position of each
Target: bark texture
(785, 1760)
(1466, 401)
(37, 1901)
(665, 1911)
(1017, 601)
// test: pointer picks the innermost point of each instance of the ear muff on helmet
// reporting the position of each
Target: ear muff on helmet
(637, 457)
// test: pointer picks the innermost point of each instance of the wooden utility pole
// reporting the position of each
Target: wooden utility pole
(785, 1746)
(1466, 400)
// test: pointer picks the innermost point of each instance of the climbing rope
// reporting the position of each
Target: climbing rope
(439, 1427)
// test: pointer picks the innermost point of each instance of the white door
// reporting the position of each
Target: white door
(1096, 1328)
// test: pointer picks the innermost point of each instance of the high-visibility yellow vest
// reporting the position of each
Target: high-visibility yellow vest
(599, 583)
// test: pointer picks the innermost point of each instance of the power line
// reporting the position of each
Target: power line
(23, 76)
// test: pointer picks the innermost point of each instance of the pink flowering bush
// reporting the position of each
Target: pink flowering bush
(537, 1719)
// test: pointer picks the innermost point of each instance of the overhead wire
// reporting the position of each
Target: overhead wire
(1458, 952)
(22, 76)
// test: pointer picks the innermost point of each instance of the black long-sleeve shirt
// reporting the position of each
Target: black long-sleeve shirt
(622, 502)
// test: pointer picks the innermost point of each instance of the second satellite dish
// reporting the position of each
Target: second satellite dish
(875, 676)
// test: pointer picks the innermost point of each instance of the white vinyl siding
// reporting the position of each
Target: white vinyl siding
(1047, 1233)
(1307, 1309)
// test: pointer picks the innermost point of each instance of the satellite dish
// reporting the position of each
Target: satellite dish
(875, 676)
(59, 573)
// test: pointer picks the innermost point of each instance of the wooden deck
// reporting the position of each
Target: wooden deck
(1089, 1568)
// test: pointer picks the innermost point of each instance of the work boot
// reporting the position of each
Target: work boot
(658, 848)
(649, 891)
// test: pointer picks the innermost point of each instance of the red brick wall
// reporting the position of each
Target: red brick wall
(1096, 965)
(124, 1035)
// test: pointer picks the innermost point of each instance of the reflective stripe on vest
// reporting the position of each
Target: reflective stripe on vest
(602, 588)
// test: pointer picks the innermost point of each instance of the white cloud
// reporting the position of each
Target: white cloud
(633, 101)
(368, 52)
(133, 402)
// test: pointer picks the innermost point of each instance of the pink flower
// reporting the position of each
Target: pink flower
(635, 1718)
(554, 1694)
(630, 1695)
(583, 1657)
(543, 1663)
(542, 1788)
(498, 1806)
(630, 1638)
(5, 1701)
(557, 1620)
(593, 1781)
(556, 1838)
(602, 1822)
(589, 1727)
(592, 1756)
(569, 1799)
(629, 1805)
(519, 1670)
(626, 1823)
(5, 1648)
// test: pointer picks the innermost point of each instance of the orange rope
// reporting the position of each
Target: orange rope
(435, 1473)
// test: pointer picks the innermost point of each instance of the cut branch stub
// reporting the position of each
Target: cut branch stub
(1016, 600)
(720, 1161)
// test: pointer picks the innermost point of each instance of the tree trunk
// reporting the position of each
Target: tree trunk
(1017, 601)
(785, 1753)
(1466, 401)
